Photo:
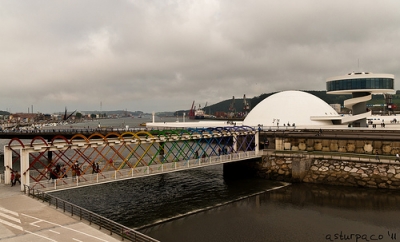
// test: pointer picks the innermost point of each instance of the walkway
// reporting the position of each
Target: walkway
(25, 219)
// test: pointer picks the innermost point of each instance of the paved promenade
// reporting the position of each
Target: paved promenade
(23, 218)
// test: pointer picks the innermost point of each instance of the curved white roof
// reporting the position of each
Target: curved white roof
(291, 107)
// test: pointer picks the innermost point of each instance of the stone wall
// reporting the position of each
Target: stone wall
(274, 168)
(332, 172)
(376, 175)
(335, 145)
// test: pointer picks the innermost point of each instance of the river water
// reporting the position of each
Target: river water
(204, 205)
(251, 211)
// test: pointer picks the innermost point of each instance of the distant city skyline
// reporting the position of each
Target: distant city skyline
(162, 55)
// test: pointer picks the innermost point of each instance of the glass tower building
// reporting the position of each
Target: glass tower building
(361, 85)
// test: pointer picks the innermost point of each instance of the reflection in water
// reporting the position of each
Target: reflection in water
(337, 196)
(300, 212)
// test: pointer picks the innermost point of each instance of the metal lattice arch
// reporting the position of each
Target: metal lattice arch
(99, 158)
(362, 85)
(295, 108)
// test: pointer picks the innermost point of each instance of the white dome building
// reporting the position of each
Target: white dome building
(291, 107)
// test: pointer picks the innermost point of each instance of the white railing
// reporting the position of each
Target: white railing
(129, 173)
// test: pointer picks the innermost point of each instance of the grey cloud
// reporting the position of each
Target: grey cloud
(162, 55)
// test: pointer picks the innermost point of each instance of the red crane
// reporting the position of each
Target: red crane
(191, 111)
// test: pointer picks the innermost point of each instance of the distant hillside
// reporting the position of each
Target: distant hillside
(223, 106)
(117, 113)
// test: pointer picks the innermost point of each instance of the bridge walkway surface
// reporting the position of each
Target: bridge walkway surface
(23, 218)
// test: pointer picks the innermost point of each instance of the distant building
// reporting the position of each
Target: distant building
(22, 117)
(362, 85)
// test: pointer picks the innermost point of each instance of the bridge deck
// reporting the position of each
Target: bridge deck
(130, 173)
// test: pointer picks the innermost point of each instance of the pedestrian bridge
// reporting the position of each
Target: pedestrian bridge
(63, 163)
(142, 171)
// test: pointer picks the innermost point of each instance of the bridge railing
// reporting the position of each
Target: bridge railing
(129, 173)
(124, 232)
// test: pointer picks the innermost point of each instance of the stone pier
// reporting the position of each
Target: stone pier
(306, 168)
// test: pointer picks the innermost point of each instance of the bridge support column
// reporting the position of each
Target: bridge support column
(24, 168)
(238, 169)
(300, 167)
(7, 164)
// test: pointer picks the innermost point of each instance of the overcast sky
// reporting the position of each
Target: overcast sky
(161, 55)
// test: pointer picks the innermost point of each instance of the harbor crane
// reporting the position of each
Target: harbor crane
(66, 116)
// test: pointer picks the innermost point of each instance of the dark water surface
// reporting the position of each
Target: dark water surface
(298, 212)
(143, 201)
